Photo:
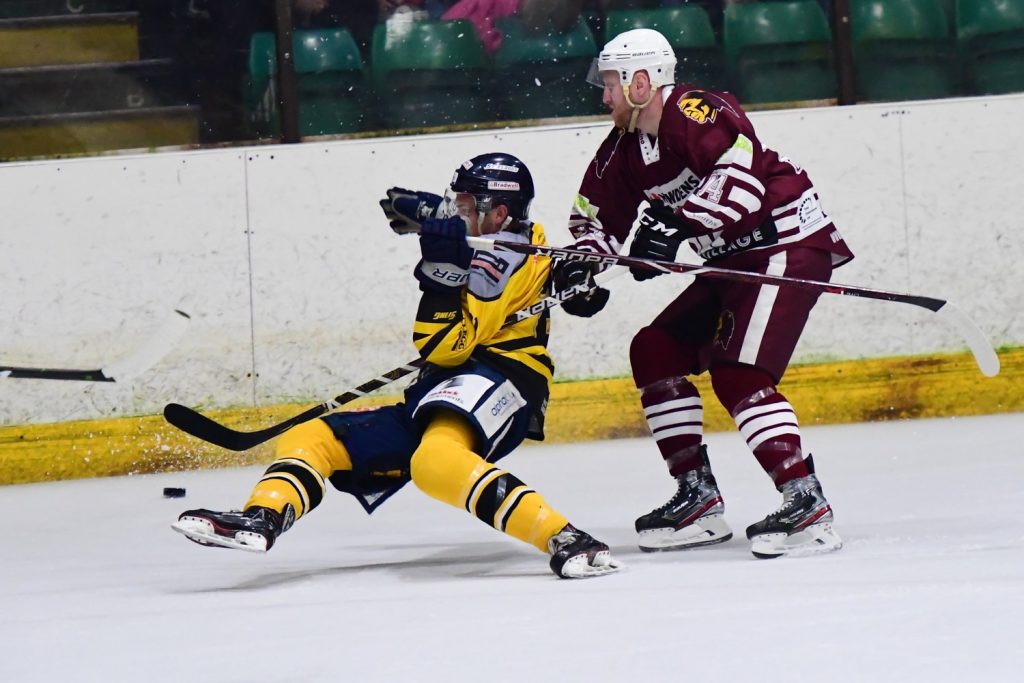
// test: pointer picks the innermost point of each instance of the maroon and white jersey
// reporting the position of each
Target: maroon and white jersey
(736, 195)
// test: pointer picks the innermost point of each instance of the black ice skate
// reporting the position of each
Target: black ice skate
(254, 530)
(691, 518)
(801, 526)
(576, 554)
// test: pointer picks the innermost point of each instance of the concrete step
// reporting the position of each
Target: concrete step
(69, 39)
(20, 9)
(25, 137)
(32, 90)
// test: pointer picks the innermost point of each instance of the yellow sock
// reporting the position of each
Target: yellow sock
(445, 467)
(306, 455)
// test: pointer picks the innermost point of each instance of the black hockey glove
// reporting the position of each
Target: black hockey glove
(566, 274)
(446, 256)
(407, 209)
(658, 237)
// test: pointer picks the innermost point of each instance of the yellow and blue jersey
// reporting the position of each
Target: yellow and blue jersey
(469, 322)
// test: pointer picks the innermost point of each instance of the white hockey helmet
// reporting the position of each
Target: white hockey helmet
(641, 49)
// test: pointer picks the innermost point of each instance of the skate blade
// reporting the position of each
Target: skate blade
(816, 539)
(710, 530)
(578, 567)
(201, 531)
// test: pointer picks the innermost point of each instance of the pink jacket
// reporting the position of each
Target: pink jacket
(482, 14)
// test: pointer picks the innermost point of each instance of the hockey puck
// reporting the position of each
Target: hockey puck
(170, 492)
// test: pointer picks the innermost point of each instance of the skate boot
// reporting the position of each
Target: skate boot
(576, 554)
(801, 526)
(690, 519)
(254, 530)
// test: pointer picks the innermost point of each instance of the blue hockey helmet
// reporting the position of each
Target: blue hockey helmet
(494, 179)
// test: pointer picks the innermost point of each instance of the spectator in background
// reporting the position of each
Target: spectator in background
(537, 15)
(434, 9)
(358, 16)
(482, 13)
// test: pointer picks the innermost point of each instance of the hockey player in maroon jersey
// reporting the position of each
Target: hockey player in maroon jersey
(692, 156)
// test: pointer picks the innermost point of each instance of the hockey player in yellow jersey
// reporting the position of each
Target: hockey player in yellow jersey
(483, 388)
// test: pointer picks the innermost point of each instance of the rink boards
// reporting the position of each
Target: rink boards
(833, 393)
(297, 290)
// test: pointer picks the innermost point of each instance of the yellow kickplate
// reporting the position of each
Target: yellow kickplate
(850, 391)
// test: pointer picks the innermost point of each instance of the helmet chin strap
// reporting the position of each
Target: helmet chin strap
(636, 107)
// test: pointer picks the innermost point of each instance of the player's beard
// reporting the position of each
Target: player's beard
(621, 115)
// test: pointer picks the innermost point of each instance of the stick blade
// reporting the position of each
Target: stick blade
(984, 355)
(150, 353)
(202, 427)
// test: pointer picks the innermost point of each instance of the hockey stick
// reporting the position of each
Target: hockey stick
(198, 425)
(138, 361)
(984, 354)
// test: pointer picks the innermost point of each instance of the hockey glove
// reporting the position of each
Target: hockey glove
(658, 237)
(662, 213)
(407, 209)
(446, 255)
(566, 274)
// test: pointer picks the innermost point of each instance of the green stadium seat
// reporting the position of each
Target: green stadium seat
(689, 32)
(903, 50)
(544, 75)
(779, 51)
(991, 41)
(430, 73)
(331, 82)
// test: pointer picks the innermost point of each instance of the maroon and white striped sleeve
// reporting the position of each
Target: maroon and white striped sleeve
(730, 192)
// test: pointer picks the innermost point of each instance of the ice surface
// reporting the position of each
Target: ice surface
(94, 585)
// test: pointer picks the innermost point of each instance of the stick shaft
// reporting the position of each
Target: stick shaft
(984, 354)
(604, 260)
(198, 425)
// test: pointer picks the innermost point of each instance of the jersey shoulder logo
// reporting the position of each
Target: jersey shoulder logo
(696, 106)
(492, 266)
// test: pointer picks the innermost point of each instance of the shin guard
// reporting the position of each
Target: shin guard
(306, 455)
(444, 467)
(675, 416)
(765, 419)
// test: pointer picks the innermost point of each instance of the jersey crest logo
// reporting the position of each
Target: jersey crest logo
(698, 109)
